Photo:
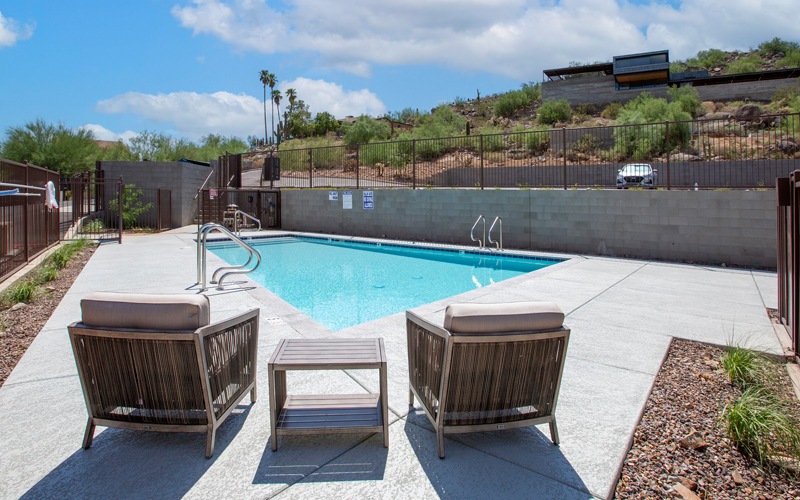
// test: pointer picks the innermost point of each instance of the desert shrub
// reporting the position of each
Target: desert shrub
(790, 60)
(493, 139)
(22, 291)
(647, 141)
(747, 64)
(711, 58)
(92, 226)
(554, 111)
(132, 206)
(509, 103)
(328, 157)
(586, 144)
(46, 274)
(743, 366)
(537, 142)
(678, 67)
(365, 130)
(777, 46)
(611, 111)
(532, 90)
(687, 97)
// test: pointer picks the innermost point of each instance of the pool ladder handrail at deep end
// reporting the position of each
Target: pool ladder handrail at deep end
(498, 244)
(481, 242)
(244, 215)
(202, 237)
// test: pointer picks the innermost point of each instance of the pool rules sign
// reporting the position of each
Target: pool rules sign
(369, 200)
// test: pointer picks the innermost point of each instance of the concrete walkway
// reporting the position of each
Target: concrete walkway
(623, 314)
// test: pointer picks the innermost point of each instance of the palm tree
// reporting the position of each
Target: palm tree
(291, 94)
(276, 98)
(264, 77)
(271, 81)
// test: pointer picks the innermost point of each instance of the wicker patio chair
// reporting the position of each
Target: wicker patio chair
(490, 367)
(153, 362)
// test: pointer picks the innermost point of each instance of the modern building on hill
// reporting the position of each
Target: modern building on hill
(628, 75)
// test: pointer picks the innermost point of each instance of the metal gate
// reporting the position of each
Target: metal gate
(261, 204)
(85, 209)
(788, 216)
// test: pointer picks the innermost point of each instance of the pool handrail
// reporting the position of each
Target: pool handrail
(481, 242)
(202, 237)
(244, 215)
(498, 244)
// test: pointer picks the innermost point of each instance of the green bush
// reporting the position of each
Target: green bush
(611, 111)
(493, 139)
(328, 157)
(790, 60)
(747, 64)
(533, 91)
(21, 291)
(711, 58)
(509, 103)
(687, 97)
(777, 46)
(47, 274)
(537, 142)
(554, 111)
(132, 206)
(761, 427)
(742, 366)
(365, 130)
(646, 142)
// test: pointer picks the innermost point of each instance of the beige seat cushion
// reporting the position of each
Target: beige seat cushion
(178, 312)
(506, 317)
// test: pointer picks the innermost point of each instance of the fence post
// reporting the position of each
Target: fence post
(310, 168)
(26, 241)
(158, 209)
(564, 152)
(668, 148)
(414, 163)
(120, 189)
(358, 166)
(480, 146)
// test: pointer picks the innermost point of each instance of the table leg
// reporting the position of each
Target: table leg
(384, 405)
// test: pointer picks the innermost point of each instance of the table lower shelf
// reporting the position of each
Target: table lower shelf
(339, 413)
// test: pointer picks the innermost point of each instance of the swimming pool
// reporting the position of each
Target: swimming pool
(345, 283)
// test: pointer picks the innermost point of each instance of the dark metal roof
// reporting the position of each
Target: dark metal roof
(559, 73)
(741, 77)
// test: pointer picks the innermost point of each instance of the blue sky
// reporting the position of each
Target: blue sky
(190, 67)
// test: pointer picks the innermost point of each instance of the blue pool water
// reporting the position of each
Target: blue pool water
(343, 283)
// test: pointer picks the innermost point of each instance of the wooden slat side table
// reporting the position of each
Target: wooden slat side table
(324, 414)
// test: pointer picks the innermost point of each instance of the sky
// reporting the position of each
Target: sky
(189, 68)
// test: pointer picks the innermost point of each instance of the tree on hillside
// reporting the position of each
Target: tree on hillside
(291, 95)
(325, 122)
(264, 76)
(276, 98)
(269, 79)
(56, 147)
(299, 122)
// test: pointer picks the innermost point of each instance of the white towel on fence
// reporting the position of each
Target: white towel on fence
(50, 195)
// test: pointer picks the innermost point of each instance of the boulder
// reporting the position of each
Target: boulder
(748, 113)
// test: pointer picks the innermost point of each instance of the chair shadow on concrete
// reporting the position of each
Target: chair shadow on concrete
(136, 463)
(514, 463)
(323, 458)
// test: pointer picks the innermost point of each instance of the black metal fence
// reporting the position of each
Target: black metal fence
(788, 218)
(719, 153)
(27, 226)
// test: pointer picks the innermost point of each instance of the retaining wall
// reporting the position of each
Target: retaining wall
(716, 227)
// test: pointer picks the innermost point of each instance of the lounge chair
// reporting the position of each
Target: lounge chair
(153, 362)
(490, 367)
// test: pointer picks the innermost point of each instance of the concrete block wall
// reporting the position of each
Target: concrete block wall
(731, 227)
(181, 178)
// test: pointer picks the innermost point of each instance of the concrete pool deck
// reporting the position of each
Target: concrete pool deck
(623, 315)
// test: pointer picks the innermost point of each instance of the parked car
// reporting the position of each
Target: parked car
(637, 175)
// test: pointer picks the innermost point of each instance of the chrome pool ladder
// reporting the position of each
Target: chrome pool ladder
(499, 243)
(481, 242)
(202, 237)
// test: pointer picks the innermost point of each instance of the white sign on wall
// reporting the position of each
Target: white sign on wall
(333, 195)
(347, 200)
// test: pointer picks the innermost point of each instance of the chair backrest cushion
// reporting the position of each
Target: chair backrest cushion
(503, 318)
(135, 311)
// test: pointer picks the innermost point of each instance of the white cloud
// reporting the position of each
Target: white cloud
(103, 134)
(11, 31)
(331, 97)
(194, 115)
(513, 38)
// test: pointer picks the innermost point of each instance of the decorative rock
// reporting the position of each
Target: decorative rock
(787, 146)
(737, 477)
(747, 113)
(684, 492)
(18, 306)
(693, 441)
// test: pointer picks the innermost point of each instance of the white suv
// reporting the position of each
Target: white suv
(637, 175)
